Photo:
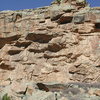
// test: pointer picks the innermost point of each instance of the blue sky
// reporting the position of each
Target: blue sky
(27, 4)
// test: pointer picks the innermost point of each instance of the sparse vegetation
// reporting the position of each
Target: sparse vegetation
(58, 1)
(6, 97)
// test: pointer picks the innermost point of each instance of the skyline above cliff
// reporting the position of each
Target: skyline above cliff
(29, 4)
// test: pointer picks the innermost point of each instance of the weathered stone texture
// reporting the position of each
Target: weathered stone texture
(60, 43)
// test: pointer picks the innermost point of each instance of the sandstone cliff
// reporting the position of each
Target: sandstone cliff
(59, 44)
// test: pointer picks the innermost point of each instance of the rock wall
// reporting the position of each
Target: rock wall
(58, 43)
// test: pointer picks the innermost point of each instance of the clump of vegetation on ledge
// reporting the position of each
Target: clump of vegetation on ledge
(58, 1)
(6, 97)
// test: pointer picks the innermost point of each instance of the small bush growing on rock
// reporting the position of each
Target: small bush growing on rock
(6, 97)
(58, 1)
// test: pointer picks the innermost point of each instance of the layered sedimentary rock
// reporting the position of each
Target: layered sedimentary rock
(58, 43)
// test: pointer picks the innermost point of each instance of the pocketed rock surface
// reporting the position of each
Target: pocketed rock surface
(57, 45)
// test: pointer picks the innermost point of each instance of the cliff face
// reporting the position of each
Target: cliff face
(59, 43)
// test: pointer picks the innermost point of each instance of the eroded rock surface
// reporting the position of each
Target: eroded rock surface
(59, 43)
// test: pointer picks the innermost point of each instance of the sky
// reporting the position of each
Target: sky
(29, 4)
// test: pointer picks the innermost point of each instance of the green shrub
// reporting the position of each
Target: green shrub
(58, 1)
(6, 97)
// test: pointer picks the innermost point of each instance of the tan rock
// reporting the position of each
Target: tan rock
(18, 88)
(60, 43)
(97, 92)
(83, 28)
